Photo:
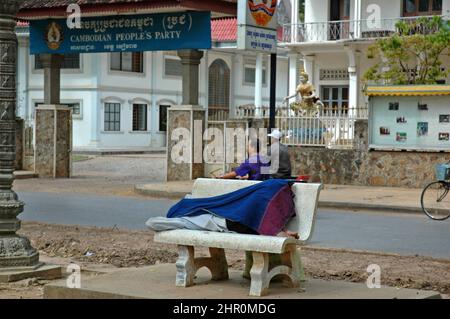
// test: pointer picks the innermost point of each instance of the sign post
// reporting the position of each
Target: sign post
(257, 31)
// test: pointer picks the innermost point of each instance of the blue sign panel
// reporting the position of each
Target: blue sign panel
(155, 32)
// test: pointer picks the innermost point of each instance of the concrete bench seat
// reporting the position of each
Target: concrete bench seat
(290, 266)
(266, 244)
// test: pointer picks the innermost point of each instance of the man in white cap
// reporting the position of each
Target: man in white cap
(279, 155)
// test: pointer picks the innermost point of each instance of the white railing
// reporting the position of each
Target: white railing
(332, 128)
(218, 114)
(352, 29)
(332, 132)
(328, 127)
(250, 111)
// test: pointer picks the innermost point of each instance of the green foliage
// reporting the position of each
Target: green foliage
(412, 55)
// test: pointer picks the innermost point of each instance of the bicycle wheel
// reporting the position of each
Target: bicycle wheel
(434, 200)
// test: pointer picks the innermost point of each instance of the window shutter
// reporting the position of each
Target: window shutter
(219, 85)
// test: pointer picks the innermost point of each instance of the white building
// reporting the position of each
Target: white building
(334, 37)
(120, 100)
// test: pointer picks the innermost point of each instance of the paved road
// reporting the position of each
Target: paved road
(403, 234)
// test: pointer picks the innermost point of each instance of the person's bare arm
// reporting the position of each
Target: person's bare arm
(287, 98)
(230, 175)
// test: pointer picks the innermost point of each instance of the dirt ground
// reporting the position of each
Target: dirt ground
(92, 247)
(103, 175)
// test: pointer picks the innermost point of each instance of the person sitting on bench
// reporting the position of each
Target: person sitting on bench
(251, 168)
(261, 209)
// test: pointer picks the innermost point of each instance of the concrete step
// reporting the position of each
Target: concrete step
(25, 174)
(158, 282)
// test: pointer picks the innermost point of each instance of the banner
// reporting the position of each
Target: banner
(155, 32)
(257, 25)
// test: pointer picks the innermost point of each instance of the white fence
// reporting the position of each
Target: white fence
(353, 29)
(332, 132)
(218, 114)
(333, 128)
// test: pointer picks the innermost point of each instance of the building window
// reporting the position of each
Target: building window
(346, 9)
(219, 85)
(127, 61)
(70, 61)
(163, 117)
(250, 75)
(112, 117)
(172, 66)
(139, 117)
(76, 107)
(335, 99)
(422, 7)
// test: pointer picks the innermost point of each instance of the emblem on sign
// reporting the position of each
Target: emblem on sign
(54, 36)
(262, 11)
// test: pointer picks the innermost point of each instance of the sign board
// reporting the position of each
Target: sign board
(410, 122)
(154, 32)
(257, 25)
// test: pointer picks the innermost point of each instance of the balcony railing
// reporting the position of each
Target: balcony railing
(352, 29)
(218, 113)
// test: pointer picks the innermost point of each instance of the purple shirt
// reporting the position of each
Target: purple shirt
(252, 167)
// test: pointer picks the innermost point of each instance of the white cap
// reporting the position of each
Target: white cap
(276, 134)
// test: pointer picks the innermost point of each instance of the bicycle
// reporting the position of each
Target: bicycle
(434, 200)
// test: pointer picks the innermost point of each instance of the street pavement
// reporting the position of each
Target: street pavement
(406, 234)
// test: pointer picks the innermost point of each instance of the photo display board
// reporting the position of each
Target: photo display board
(410, 122)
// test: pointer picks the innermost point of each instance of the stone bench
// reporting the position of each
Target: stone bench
(306, 200)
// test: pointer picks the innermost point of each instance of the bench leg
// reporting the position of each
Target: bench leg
(217, 264)
(301, 270)
(185, 266)
(296, 272)
(259, 285)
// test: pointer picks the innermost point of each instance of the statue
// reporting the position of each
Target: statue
(310, 103)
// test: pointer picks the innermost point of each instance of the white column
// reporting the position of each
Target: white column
(153, 110)
(293, 73)
(258, 83)
(357, 18)
(309, 63)
(237, 78)
(233, 71)
(22, 77)
(96, 63)
(206, 82)
(446, 9)
(294, 20)
(353, 64)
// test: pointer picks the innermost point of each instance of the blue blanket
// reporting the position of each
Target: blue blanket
(265, 207)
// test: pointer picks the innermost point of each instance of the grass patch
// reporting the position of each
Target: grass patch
(80, 158)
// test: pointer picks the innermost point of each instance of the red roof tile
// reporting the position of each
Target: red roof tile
(21, 23)
(57, 8)
(224, 29)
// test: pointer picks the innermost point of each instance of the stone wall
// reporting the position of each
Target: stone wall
(53, 141)
(184, 168)
(360, 166)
